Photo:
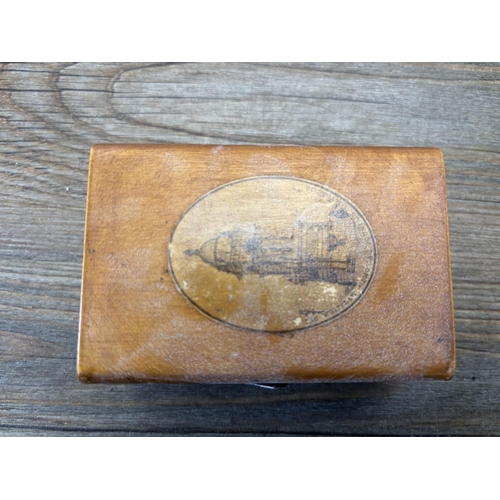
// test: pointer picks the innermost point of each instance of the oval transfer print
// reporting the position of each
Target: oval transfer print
(272, 254)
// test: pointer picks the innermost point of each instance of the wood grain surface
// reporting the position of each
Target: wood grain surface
(51, 114)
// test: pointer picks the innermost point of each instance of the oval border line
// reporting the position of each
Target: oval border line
(299, 179)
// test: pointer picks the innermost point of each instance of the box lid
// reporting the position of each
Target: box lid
(265, 264)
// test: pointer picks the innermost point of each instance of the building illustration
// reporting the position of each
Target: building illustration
(310, 253)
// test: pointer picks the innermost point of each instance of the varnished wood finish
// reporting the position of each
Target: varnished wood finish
(135, 325)
(50, 115)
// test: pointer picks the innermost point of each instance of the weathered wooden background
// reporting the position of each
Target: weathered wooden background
(50, 115)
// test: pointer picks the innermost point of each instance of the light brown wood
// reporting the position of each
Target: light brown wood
(157, 307)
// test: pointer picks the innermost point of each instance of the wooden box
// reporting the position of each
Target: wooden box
(226, 264)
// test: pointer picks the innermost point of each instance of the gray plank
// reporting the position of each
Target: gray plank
(50, 115)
